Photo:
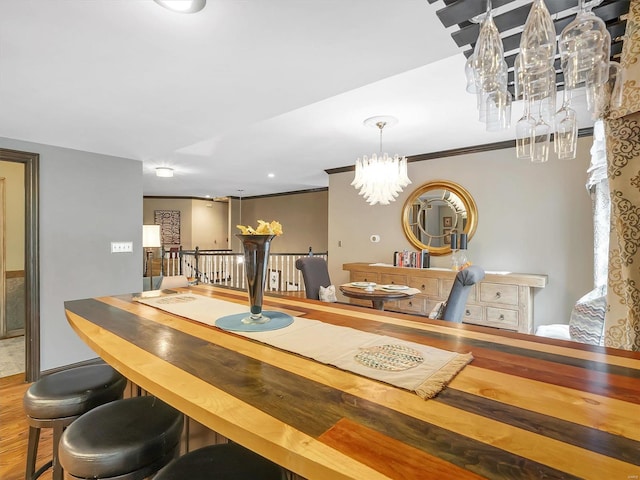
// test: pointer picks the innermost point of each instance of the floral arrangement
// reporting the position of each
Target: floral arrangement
(263, 228)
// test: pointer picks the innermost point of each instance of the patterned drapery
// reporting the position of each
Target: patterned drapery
(622, 320)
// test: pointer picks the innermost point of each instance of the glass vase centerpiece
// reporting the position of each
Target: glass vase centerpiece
(256, 244)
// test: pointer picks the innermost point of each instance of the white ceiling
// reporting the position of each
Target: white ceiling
(239, 90)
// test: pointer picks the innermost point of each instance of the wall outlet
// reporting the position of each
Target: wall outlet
(121, 247)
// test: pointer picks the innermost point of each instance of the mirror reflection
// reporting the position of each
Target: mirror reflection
(434, 211)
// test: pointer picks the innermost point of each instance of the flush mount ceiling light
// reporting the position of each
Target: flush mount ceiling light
(182, 6)
(381, 178)
(164, 172)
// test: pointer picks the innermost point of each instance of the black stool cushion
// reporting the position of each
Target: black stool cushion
(228, 461)
(120, 437)
(73, 392)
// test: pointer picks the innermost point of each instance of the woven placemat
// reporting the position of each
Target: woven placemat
(389, 357)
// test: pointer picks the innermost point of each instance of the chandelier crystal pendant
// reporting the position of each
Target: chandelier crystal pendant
(380, 178)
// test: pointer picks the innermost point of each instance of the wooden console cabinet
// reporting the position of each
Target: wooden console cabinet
(500, 300)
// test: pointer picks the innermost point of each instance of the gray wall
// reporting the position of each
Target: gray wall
(532, 219)
(303, 217)
(184, 205)
(86, 202)
(210, 225)
(203, 223)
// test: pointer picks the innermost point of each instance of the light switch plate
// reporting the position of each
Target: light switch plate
(121, 247)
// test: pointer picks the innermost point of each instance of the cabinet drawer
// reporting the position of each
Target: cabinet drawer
(502, 317)
(445, 290)
(411, 305)
(364, 277)
(428, 286)
(499, 293)
(472, 312)
(390, 279)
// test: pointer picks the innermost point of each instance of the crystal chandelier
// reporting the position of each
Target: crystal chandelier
(381, 178)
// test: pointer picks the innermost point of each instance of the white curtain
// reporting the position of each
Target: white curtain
(598, 187)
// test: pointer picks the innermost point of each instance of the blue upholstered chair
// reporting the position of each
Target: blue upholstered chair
(315, 274)
(457, 301)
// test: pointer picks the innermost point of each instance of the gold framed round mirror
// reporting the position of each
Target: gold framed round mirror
(435, 210)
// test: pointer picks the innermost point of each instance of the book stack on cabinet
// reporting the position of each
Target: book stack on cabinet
(500, 300)
(412, 259)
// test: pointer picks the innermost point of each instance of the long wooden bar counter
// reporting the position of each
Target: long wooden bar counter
(525, 407)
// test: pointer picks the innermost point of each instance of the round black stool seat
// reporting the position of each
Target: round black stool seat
(129, 439)
(56, 400)
(73, 392)
(227, 461)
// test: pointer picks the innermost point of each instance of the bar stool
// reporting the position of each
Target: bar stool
(226, 461)
(58, 399)
(128, 439)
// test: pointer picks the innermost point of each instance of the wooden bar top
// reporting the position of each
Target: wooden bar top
(524, 408)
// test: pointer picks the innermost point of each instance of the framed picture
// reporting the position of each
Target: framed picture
(274, 280)
(447, 221)
(447, 235)
(169, 221)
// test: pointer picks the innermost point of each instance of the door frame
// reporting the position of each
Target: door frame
(31, 163)
(3, 261)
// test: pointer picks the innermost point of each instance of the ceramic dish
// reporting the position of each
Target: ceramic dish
(363, 284)
(394, 287)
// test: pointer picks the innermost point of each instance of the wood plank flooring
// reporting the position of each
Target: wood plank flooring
(14, 431)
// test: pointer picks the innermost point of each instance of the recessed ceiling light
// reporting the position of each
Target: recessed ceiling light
(182, 6)
(164, 172)
(271, 175)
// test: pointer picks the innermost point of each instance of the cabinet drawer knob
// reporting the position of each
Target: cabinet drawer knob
(498, 294)
(467, 313)
(501, 317)
(423, 286)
